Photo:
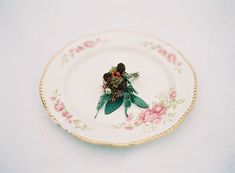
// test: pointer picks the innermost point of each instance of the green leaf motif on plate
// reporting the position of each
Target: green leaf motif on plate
(179, 101)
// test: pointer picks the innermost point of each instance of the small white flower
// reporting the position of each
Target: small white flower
(108, 91)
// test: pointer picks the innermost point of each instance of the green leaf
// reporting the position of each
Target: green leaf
(127, 102)
(130, 87)
(139, 102)
(112, 106)
(132, 75)
(103, 99)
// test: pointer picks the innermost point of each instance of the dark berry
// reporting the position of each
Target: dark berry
(122, 85)
(109, 80)
(106, 76)
(121, 68)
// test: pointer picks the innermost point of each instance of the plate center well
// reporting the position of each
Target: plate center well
(83, 83)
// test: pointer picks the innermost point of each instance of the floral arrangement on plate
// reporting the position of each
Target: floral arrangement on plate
(118, 90)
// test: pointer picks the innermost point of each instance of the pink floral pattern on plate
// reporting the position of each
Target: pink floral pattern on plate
(164, 53)
(161, 111)
(59, 107)
(88, 44)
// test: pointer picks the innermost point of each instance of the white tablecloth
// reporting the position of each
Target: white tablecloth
(32, 31)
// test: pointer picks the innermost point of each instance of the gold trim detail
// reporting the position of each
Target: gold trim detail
(137, 142)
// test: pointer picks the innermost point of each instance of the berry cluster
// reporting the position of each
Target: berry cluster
(118, 90)
(115, 81)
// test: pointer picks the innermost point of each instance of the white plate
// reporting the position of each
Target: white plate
(70, 88)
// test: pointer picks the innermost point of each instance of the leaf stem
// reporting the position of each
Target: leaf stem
(96, 114)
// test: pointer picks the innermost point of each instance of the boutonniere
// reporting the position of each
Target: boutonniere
(118, 90)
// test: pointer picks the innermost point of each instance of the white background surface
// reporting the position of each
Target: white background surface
(32, 31)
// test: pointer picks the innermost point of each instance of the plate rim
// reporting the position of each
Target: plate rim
(116, 144)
